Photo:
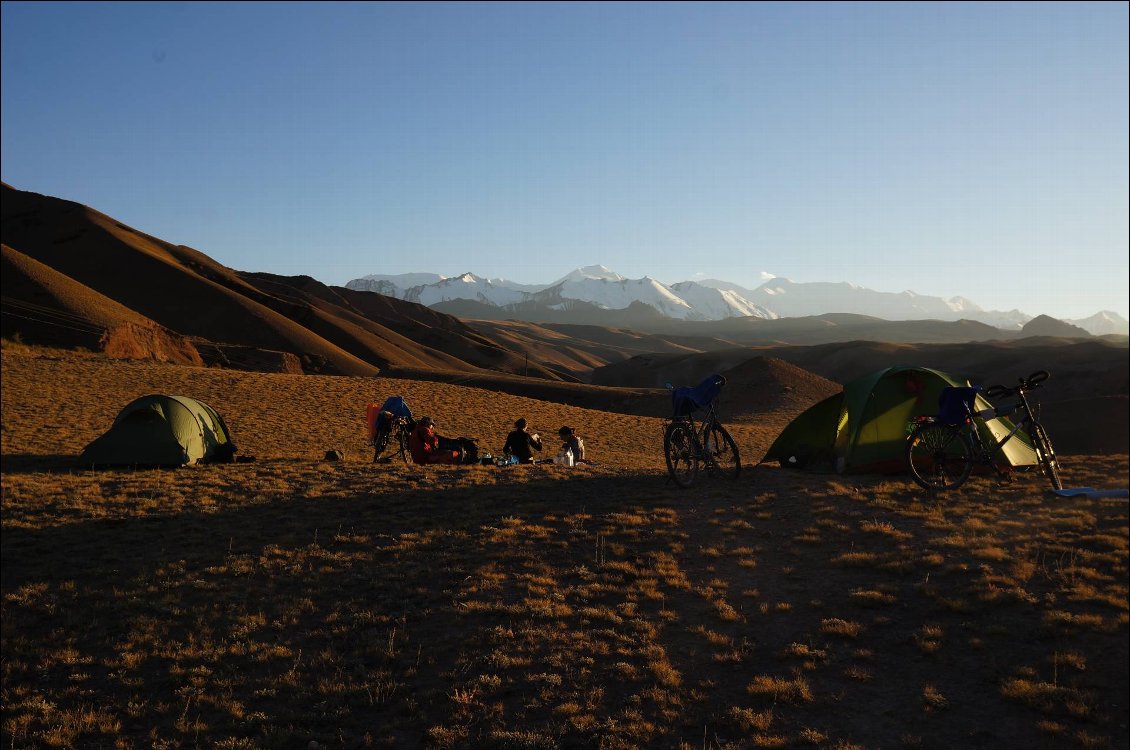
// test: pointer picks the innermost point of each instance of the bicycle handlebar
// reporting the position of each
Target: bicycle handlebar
(1033, 381)
(996, 391)
(721, 382)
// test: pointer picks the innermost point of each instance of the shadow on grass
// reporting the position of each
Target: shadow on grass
(30, 463)
(58, 463)
(349, 597)
(405, 504)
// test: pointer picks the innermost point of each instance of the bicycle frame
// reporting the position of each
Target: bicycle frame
(689, 443)
(988, 453)
(698, 431)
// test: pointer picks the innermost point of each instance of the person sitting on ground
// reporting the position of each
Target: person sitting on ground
(571, 441)
(520, 442)
(424, 445)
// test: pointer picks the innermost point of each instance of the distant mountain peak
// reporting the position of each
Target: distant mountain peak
(597, 272)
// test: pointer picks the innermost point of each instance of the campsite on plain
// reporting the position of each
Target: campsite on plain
(293, 600)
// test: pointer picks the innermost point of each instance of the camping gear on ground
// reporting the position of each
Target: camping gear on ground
(160, 430)
(686, 399)
(864, 428)
(468, 448)
(393, 435)
(389, 425)
(1091, 492)
(393, 407)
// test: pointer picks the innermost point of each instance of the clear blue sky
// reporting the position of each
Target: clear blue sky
(951, 149)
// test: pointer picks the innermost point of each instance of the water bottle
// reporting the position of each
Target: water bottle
(568, 457)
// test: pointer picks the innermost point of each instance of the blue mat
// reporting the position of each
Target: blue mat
(1090, 492)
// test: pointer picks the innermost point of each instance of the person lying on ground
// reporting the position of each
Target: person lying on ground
(424, 445)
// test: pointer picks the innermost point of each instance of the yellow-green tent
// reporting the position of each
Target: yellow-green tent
(159, 430)
(864, 428)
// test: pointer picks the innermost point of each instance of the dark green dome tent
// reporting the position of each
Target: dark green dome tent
(158, 430)
(864, 428)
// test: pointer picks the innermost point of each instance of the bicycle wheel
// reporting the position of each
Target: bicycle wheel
(1049, 464)
(722, 452)
(939, 456)
(402, 445)
(380, 442)
(682, 456)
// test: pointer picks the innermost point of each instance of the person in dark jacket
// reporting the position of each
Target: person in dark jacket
(521, 444)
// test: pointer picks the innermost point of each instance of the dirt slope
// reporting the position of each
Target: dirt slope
(55, 309)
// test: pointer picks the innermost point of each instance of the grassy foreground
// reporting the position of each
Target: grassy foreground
(294, 601)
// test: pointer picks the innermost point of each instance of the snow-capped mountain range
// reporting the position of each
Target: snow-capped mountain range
(596, 285)
(709, 299)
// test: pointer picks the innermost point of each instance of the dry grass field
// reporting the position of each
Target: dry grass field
(291, 601)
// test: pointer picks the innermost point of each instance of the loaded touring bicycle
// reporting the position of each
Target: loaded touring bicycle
(689, 443)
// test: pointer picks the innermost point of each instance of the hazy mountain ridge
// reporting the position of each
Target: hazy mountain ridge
(705, 300)
(1102, 323)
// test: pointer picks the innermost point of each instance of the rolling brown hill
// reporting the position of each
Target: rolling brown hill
(118, 273)
(832, 328)
(249, 320)
(175, 286)
(67, 313)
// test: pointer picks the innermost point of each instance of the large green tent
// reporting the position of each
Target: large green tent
(158, 430)
(864, 428)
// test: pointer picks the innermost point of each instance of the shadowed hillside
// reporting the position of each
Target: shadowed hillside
(1085, 402)
(62, 312)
